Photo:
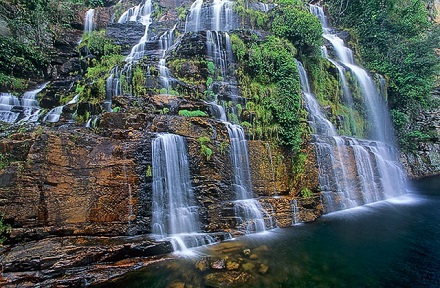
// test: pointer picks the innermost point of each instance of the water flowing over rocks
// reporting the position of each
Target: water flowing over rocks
(80, 199)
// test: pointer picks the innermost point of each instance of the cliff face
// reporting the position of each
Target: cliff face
(87, 192)
(425, 161)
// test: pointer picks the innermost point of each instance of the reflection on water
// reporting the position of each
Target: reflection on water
(393, 243)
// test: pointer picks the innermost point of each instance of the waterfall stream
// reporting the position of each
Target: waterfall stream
(251, 216)
(175, 213)
(374, 173)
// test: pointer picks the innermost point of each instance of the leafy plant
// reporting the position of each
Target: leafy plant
(306, 193)
(204, 149)
(300, 27)
(5, 229)
(211, 67)
(195, 113)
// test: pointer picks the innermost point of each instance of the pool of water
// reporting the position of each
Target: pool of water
(394, 243)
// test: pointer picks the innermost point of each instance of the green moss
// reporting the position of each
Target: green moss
(195, 113)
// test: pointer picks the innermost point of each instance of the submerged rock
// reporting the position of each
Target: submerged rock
(228, 279)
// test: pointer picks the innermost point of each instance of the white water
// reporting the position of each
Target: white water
(112, 88)
(251, 216)
(7, 103)
(142, 14)
(175, 213)
(379, 118)
(54, 115)
(192, 23)
(375, 176)
(166, 40)
(89, 24)
(31, 108)
(215, 16)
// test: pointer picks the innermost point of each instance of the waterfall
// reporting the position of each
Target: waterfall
(166, 40)
(295, 212)
(215, 16)
(379, 118)
(192, 23)
(89, 25)
(112, 88)
(31, 108)
(142, 14)
(175, 213)
(251, 216)
(53, 115)
(375, 174)
(7, 103)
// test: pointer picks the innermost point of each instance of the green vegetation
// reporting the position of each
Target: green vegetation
(396, 40)
(195, 113)
(5, 160)
(204, 149)
(270, 84)
(298, 26)
(5, 230)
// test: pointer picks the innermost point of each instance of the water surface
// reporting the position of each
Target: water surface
(393, 243)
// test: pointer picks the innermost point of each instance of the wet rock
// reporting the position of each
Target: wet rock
(253, 257)
(228, 279)
(218, 264)
(177, 284)
(248, 266)
(246, 252)
(232, 265)
(202, 265)
(263, 268)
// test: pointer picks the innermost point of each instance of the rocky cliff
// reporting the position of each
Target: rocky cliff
(79, 199)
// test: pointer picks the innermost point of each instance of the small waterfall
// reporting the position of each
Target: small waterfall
(54, 115)
(7, 103)
(192, 23)
(381, 126)
(175, 213)
(31, 108)
(295, 212)
(215, 16)
(222, 15)
(251, 215)
(141, 14)
(166, 40)
(112, 88)
(375, 173)
(89, 24)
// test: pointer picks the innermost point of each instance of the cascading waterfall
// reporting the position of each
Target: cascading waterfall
(375, 174)
(166, 40)
(54, 114)
(175, 213)
(7, 103)
(330, 150)
(251, 216)
(112, 87)
(31, 108)
(142, 14)
(215, 16)
(89, 24)
(380, 121)
(192, 23)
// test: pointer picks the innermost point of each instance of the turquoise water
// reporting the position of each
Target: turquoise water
(393, 243)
